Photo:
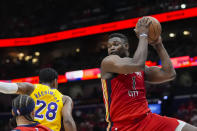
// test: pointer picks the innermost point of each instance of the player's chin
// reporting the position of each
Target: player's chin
(112, 53)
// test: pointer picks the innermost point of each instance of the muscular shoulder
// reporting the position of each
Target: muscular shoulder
(118, 65)
(109, 59)
(105, 62)
(66, 99)
(116, 60)
(25, 88)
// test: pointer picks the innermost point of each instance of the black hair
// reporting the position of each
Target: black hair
(47, 75)
(122, 36)
(22, 105)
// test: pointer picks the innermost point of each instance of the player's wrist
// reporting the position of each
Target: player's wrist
(158, 46)
(143, 35)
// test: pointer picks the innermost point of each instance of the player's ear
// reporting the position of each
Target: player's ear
(127, 46)
(52, 84)
(56, 83)
(32, 114)
(13, 112)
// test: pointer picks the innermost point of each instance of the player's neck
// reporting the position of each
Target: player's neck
(47, 84)
(126, 54)
(20, 120)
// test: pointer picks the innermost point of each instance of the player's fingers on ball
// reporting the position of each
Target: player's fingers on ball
(146, 19)
(139, 22)
(137, 25)
(143, 20)
(148, 22)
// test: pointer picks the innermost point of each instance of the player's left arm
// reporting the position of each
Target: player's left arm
(16, 88)
(68, 121)
(166, 72)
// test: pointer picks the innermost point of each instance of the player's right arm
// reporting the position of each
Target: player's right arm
(68, 121)
(16, 88)
(116, 64)
(156, 75)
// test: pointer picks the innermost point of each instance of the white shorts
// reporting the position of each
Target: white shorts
(180, 126)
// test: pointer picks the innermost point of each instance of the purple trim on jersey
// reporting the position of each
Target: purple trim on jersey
(30, 125)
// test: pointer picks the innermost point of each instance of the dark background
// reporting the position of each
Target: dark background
(30, 18)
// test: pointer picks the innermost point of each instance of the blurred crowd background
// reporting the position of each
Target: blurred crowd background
(22, 18)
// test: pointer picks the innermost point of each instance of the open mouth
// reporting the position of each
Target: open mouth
(112, 53)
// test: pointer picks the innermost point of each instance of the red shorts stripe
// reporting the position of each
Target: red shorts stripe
(152, 122)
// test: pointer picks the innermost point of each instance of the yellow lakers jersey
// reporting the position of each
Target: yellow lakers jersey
(48, 106)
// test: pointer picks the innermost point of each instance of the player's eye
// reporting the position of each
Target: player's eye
(109, 45)
(116, 43)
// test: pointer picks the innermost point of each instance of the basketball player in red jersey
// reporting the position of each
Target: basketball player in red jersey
(23, 112)
(123, 85)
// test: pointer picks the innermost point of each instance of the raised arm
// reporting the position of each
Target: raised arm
(69, 123)
(116, 64)
(164, 74)
(16, 88)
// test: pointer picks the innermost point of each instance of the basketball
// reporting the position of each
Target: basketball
(154, 30)
(121, 65)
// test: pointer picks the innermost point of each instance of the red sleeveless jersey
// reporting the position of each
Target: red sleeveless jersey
(32, 127)
(125, 97)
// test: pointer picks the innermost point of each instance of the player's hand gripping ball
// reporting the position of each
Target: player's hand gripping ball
(154, 30)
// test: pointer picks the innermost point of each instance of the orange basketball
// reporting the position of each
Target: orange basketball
(154, 30)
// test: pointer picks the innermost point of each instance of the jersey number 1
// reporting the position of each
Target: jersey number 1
(50, 113)
(134, 92)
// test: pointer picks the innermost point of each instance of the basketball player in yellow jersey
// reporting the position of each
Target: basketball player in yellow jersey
(50, 104)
